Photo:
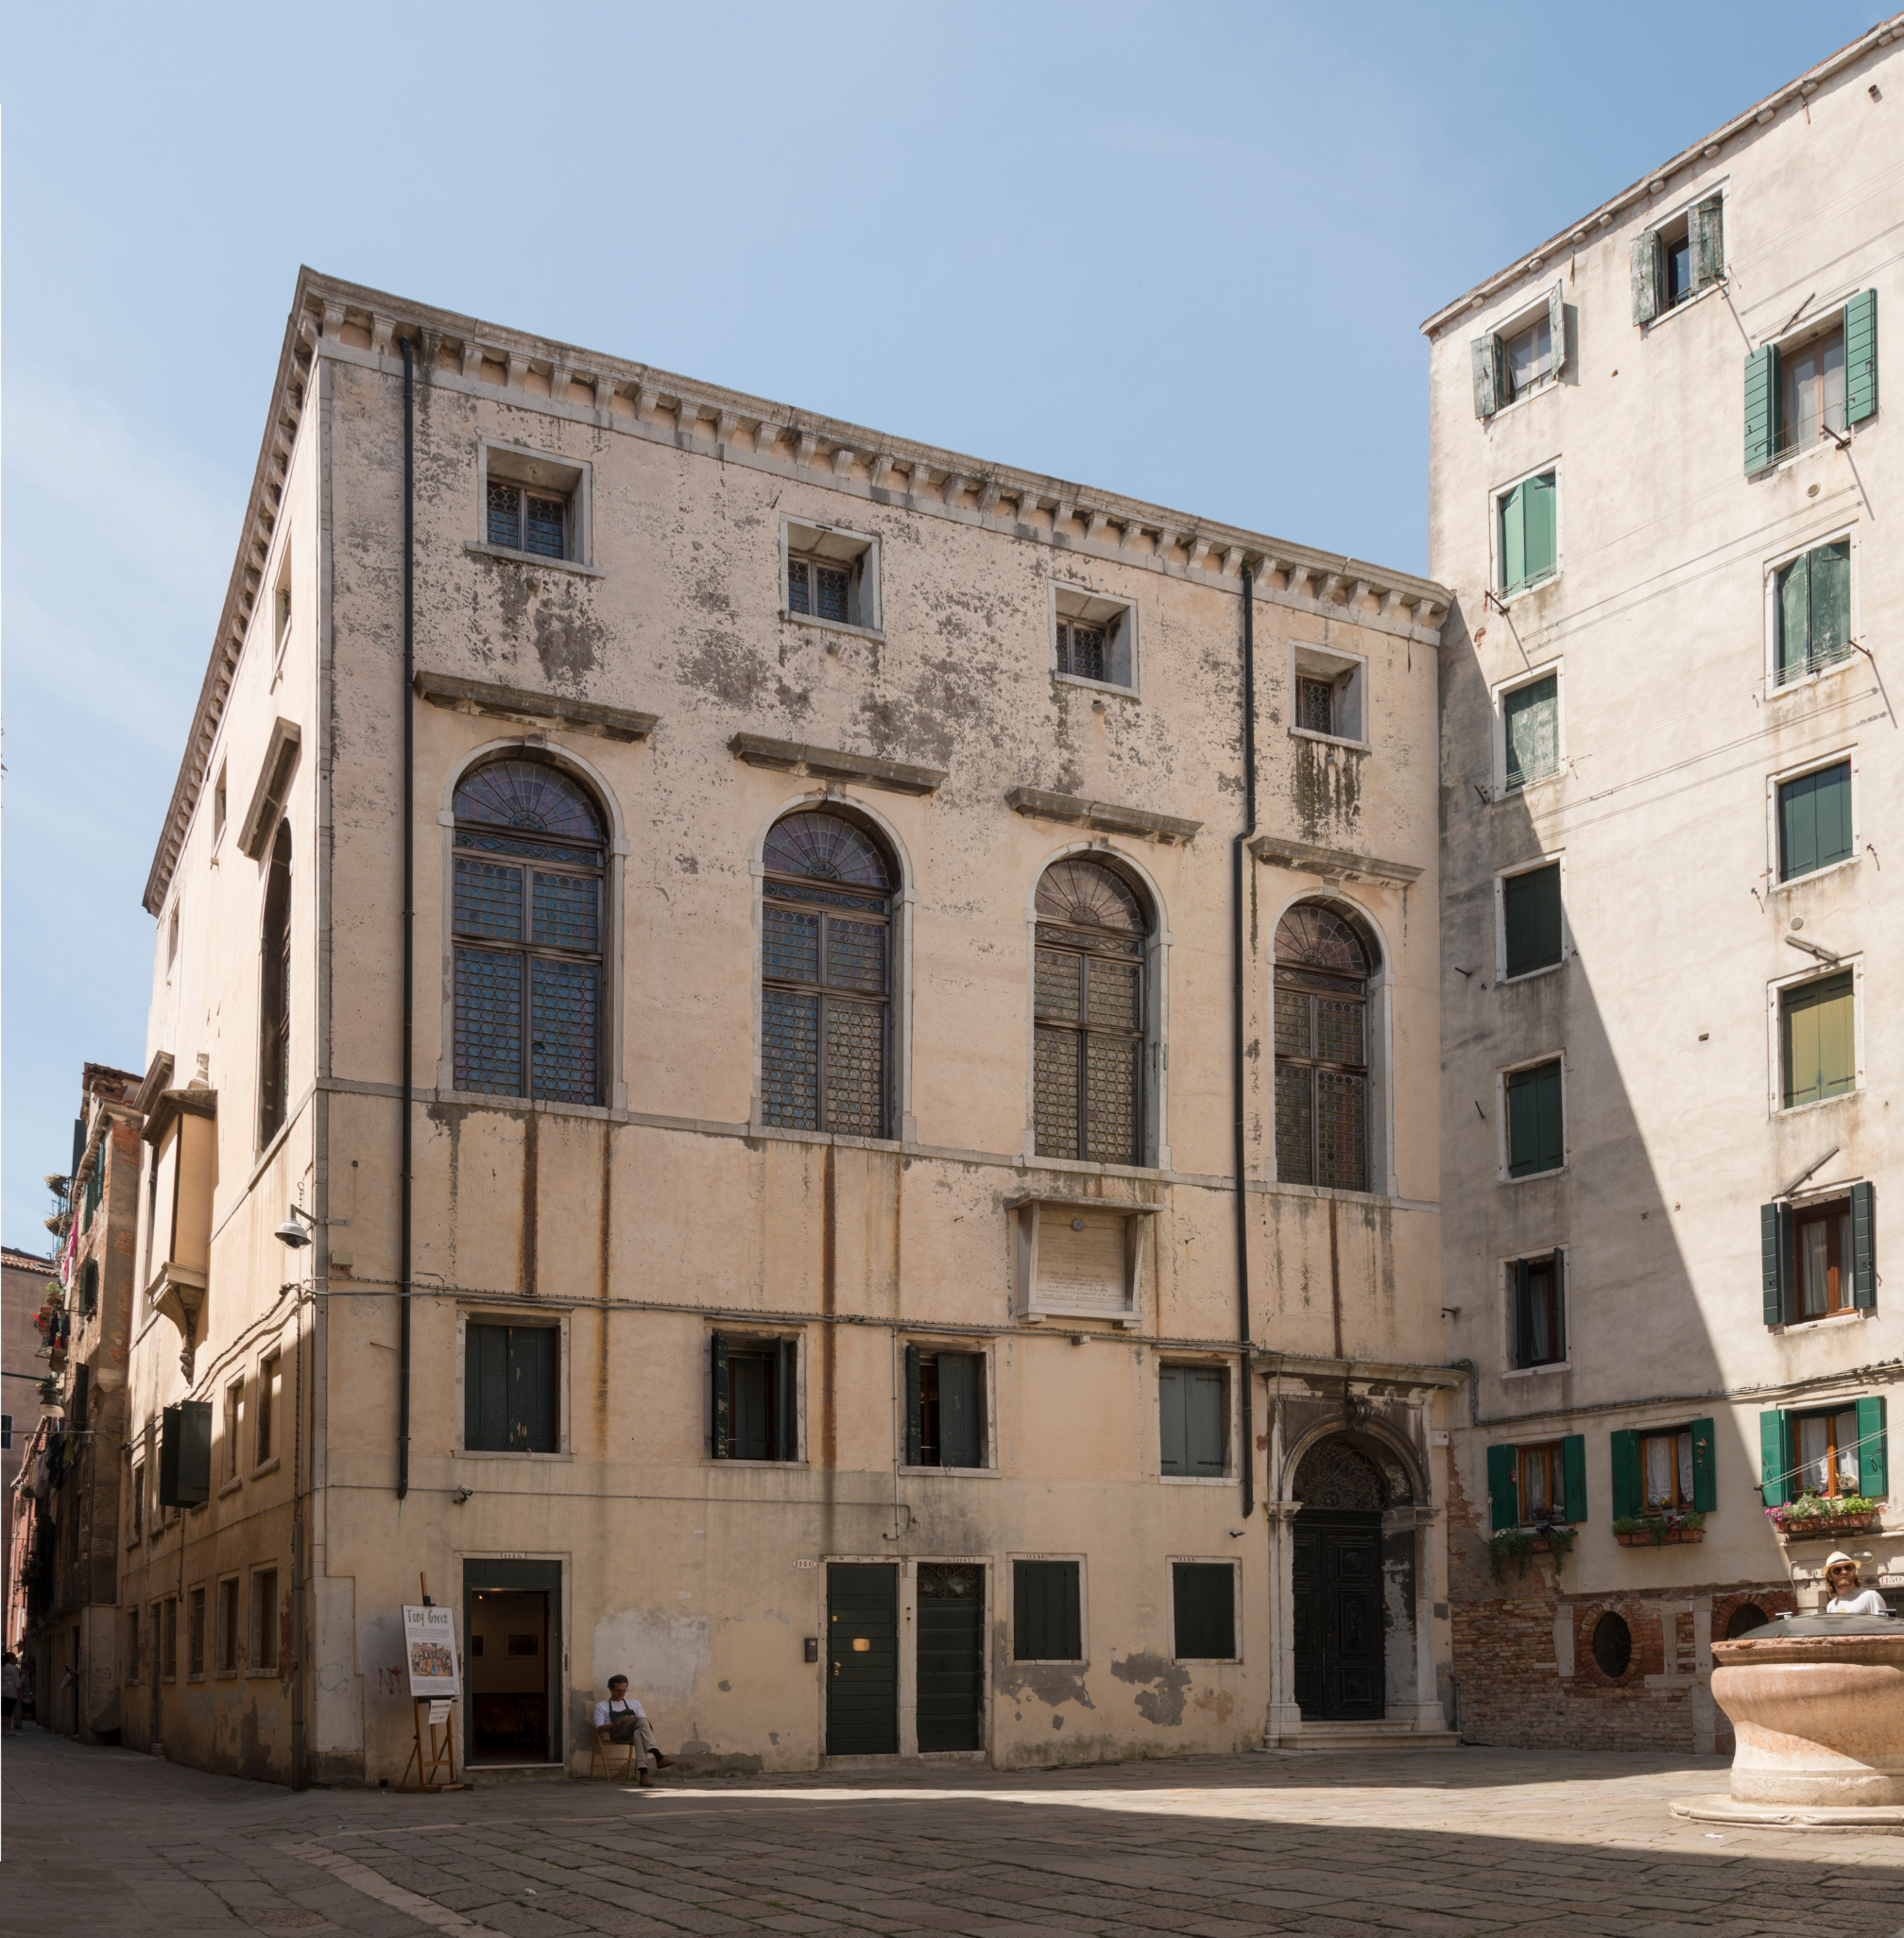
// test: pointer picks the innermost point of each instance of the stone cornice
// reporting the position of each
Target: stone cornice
(460, 354)
(458, 695)
(1101, 817)
(1335, 864)
(1654, 182)
(828, 764)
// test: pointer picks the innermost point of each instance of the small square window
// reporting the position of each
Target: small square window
(533, 505)
(756, 1392)
(945, 1408)
(1203, 1595)
(525, 520)
(1530, 356)
(1818, 1041)
(1530, 724)
(511, 1388)
(1530, 532)
(1536, 1128)
(831, 575)
(1815, 821)
(1536, 1287)
(1193, 1414)
(1543, 1483)
(1812, 611)
(1047, 1612)
(1530, 921)
(1329, 693)
(1093, 638)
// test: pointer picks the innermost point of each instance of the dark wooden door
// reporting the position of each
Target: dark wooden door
(1337, 1582)
(951, 1655)
(863, 1659)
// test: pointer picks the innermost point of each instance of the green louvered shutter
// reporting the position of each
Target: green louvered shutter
(1762, 407)
(1774, 1262)
(535, 1406)
(1774, 1478)
(1860, 357)
(1556, 329)
(1573, 1476)
(1874, 1464)
(1535, 1127)
(1815, 821)
(721, 1427)
(1863, 1247)
(1830, 639)
(1820, 1040)
(1708, 240)
(1530, 915)
(1514, 539)
(786, 1400)
(1792, 591)
(961, 1415)
(1542, 501)
(1523, 1313)
(1171, 1382)
(1503, 1487)
(1559, 1303)
(1622, 1448)
(1647, 277)
(1047, 1625)
(914, 1436)
(485, 1388)
(1530, 720)
(1204, 1422)
(1489, 358)
(1705, 1468)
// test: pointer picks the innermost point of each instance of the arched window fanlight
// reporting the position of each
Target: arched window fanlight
(528, 918)
(1087, 1072)
(826, 976)
(274, 1006)
(1322, 970)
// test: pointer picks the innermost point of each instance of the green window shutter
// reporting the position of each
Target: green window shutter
(535, 1413)
(1542, 501)
(1863, 1247)
(1203, 1422)
(1830, 632)
(786, 1400)
(1775, 1481)
(1523, 1312)
(1647, 277)
(915, 1439)
(1556, 329)
(1705, 1468)
(1815, 821)
(1514, 539)
(1489, 394)
(1774, 1262)
(185, 1454)
(960, 1435)
(1820, 1040)
(1503, 1488)
(1860, 357)
(1708, 241)
(1530, 726)
(485, 1388)
(721, 1425)
(1793, 593)
(1573, 1476)
(1203, 1593)
(1171, 1410)
(1559, 1303)
(1622, 1448)
(1762, 408)
(1530, 913)
(1047, 1624)
(1535, 1129)
(1874, 1467)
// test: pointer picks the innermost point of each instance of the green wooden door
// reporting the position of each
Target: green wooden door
(951, 1655)
(863, 1659)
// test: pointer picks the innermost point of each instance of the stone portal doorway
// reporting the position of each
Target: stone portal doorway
(1336, 1582)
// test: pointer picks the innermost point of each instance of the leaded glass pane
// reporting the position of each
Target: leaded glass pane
(1055, 1093)
(504, 515)
(1114, 994)
(790, 1060)
(856, 956)
(530, 796)
(1057, 979)
(827, 898)
(545, 528)
(830, 590)
(565, 911)
(1091, 895)
(1320, 938)
(489, 901)
(1338, 1032)
(1110, 1099)
(855, 1068)
(535, 850)
(796, 586)
(1292, 1023)
(1293, 1125)
(562, 1029)
(1316, 705)
(825, 848)
(790, 946)
(1080, 651)
(489, 1034)
(1340, 1155)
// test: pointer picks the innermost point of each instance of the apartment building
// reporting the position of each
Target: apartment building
(23, 1278)
(1670, 771)
(887, 1187)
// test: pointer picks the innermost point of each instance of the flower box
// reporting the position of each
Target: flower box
(1671, 1538)
(1829, 1527)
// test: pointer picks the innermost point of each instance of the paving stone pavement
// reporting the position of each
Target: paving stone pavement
(102, 1843)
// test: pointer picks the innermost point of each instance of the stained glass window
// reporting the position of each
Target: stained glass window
(521, 521)
(1322, 967)
(527, 915)
(1089, 994)
(823, 590)
(826, 969)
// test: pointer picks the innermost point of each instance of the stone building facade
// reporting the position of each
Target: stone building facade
(875, 960)
(23, 1278)
(1669, 774)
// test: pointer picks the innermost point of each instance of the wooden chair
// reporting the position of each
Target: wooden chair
(602, 1755)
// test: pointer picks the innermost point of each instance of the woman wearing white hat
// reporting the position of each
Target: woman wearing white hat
(1846, 1598)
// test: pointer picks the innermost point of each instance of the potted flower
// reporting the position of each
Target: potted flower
(1821, 1517)
(1669, 1525)
(1520, 1545)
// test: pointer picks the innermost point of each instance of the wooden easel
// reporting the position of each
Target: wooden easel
(430, 1755)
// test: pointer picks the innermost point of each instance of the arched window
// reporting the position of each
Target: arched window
(1322, 970)
(826, 975)
(528, 927)
(274, 1008)
(1087, 1077)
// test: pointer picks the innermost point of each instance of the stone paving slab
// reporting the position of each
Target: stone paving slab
(1460, 1844)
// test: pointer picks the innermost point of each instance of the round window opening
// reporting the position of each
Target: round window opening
(1612, 1645)
(1743, 1620)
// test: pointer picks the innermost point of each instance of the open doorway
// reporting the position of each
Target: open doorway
(512, 1661)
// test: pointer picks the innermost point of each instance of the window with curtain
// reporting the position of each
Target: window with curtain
(1090, 1015)
(274, 1009)
(1813, 610)
(1322, 970)
(1827, 1452)
(826, 974)
(528, 920)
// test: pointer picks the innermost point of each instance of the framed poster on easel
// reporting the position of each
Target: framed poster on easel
(430, 1658)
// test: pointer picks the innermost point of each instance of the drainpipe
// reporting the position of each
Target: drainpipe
(409, 918)
(1238, 863)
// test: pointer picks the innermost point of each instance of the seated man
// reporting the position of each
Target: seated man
(626, 1722)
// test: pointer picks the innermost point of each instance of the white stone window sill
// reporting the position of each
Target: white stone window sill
(789, 617)
(1196, 1480)
(1789, 1111)
(1685, 304)
(269, 1673)
(1536, 1177)
(1533, 975)
(1823, 441)
(954, 1473)
(491, 1100)
(823, 1137)
(1539, 387)
(1533, 585)
(506, 1453)
(1206, 1661)
(477, 550)
(1354, 746)
(1096, 686)
(1850, 861)
(790, 1465)
(1039, 1661)
(1506, 791)
(232, 1486)
(266, 1467)
(1856, 1315)
(1808, 682)
(1532, 1372)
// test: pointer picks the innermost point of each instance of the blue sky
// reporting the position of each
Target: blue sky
(1176, 251)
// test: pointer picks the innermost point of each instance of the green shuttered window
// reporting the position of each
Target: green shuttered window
(1860, 357)
(1535, 1129)
(1047, 1615)
(1190, 1405)
(1819, 1257)
(756, 1397)
(1811, 610)
(945, 1409)
(1204, 1597)
(1530, 914)
(1845, 1452)
(185, 1454)
(1530, 718)
(1818, 1036)
(1532, 1486)
(1763, 441)
(1659, 1469)
(1529, 533)
(1538, 1290)
(511, 1399)
(1815, 821)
